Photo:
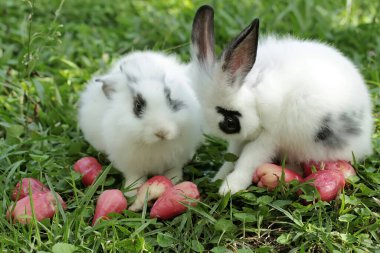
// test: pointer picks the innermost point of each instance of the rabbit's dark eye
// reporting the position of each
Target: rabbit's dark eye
(230, 123)
(139, 105)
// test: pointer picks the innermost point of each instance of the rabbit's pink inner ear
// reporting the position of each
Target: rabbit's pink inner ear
(240, 59)
(202, 35)
(240, 56)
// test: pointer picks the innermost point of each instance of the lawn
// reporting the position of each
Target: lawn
(50, 48)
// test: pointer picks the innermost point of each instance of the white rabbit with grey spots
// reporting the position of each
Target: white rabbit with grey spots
(144, 115)
(277, 98)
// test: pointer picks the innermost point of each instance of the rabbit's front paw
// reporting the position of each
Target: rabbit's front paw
(223, 171)
(234, 183)
(132, 184)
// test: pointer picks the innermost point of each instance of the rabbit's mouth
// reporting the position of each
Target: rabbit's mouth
(162, 135)
(159, 137)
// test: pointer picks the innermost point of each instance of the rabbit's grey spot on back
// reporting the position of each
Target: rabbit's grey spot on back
(334, 130)
(351, 122)
(325, 132)
(327, 135)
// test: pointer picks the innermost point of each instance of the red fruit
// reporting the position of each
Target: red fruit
(329, 183)
(268, 175)
(90, 177)
(155, 186)
(87, 163)
(343, 166)
(22, 188)
(307, 167)
(90, 168)
(45, 206)
(110, 201)
(170, 204)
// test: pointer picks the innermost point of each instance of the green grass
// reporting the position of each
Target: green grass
(48, 49)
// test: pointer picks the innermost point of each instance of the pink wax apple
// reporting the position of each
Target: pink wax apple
(343, 166)
(268, 175)
(170, 204)
(89, 168)
(44, 203)
(152, 189)
(110, 201)
(329, 183)
(22, 188)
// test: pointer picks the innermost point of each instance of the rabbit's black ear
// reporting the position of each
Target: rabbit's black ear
(240, 56)
(202, 35)
(107, 86)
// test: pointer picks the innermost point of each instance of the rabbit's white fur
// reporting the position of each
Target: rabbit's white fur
(302, 100)
(109, 123)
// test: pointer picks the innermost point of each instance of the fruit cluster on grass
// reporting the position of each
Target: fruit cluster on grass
(171, 200)
(42, 203)
(328, 177)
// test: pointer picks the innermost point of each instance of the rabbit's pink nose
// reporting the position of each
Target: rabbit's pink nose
(161, 134)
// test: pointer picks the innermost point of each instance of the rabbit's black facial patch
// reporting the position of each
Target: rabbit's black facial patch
(139, 105)
(327, 135)
(174, 104)
(230, 123)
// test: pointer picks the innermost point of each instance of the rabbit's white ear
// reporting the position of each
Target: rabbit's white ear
(240, 56)
(202, 36)
(108, 85)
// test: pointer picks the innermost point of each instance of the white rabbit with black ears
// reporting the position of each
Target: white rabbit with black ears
(282, 97)
(144, 115)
